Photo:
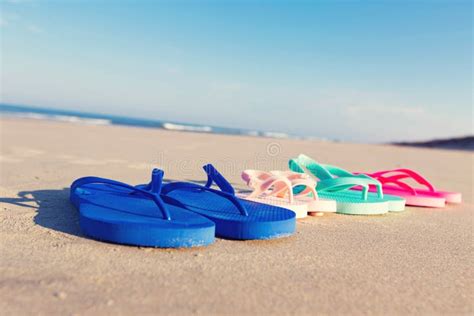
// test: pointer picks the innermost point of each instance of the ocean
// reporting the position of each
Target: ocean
(20, 111)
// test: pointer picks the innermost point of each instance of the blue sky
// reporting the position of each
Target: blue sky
(368, 71)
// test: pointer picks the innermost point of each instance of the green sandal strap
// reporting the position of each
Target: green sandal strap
(336, 171)
(333, 179)
(313, 167)
(342, 184)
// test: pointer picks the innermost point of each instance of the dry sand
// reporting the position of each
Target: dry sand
(416, 262)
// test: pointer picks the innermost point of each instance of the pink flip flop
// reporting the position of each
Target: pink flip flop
(427, 196)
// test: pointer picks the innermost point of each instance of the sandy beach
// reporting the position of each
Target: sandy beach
(416, 262)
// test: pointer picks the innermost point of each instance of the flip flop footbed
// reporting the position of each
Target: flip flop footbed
(319, 205)
(395, 203)
(263, 221)
(451, 197)
(423, 199)
(300, 208)
(352, 205)
(117, 215)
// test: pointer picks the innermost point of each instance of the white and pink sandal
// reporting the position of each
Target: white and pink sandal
(276, 188)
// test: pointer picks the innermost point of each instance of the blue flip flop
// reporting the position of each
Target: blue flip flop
(234, 218)
(120, 213)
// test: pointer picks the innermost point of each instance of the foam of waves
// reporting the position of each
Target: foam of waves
(187, 128)
(99, 119)
(34, 116)
(75, 119)
(62, 118)
(251, 133)
(275, 135)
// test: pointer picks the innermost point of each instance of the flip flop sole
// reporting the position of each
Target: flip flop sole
(395, 203)
(424, 197)
(264, 221)
(322, 206)
(351, 205)
(115, 215)
(298, 207)
(451, 197)
(421, 199)
(424, 201)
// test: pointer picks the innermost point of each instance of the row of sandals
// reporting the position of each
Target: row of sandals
(186, 214)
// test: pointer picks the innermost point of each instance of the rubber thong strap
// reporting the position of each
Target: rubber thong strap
(227, 191)
(158, 174)
(272, 185)
(279, 183)
(214, 176)
(156, 182)
(313, 167)
(344, 184)
(328, 182)
(301, 183)
(336, 171)
(309, 188)
(400, 174)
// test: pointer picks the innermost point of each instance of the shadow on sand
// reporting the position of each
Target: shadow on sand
(54, 211)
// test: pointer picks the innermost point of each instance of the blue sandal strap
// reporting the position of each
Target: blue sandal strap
(213, 176)
(156, 182)
(156, 175)
(187, 185)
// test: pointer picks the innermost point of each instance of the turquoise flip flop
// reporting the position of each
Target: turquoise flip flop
(395, 203)
(338, 189)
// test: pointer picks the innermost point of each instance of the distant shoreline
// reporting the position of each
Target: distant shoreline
(29, 112)
(457, 143)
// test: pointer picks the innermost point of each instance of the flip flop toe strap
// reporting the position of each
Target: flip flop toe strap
(279, 184)
(400, 174)
(157, 175)
(341, 180)
(267, 184)
(213, 177)
(309, 186)
(273, 186)
(301, 183)
(342, 184)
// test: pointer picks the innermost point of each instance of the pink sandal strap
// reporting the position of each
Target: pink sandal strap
(278, 183)
(399, 175)
(265, 183)
(300, 179)
(310, 187)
